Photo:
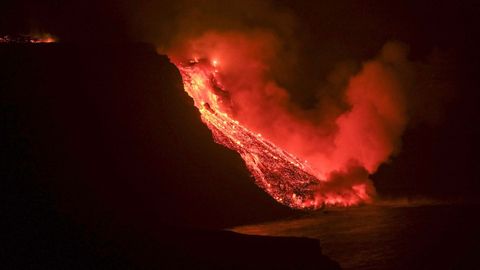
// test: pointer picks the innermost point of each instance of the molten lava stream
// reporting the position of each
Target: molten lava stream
(287, 179)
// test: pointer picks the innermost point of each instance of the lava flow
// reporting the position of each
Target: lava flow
(285, 177)
(304, 158)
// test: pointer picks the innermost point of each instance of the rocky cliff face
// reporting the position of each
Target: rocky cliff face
(111, 126)
(101, 146)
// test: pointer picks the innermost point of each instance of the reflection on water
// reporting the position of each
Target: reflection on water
(386, 236)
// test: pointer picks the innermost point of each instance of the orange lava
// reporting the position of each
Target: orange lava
(304, 158)
(286, 178)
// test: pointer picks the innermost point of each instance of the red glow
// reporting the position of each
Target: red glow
(35, 38)
(300, 162)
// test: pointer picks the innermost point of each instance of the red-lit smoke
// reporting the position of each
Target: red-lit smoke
(340, 150)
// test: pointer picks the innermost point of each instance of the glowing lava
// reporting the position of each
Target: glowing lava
(285, 177)
(35, 38)
(305, 158)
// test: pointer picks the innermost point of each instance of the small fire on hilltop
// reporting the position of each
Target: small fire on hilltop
(286, 178)
(35, 38)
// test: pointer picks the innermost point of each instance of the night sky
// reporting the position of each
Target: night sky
(86, 161)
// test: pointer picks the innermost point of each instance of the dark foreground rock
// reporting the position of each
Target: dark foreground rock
(188, 249)
(102, 154)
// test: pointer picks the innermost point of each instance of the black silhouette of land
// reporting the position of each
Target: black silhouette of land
(106, 164)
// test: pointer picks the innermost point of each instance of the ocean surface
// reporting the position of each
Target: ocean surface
(389, 235)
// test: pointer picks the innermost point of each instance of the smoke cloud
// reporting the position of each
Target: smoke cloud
(345, 117)
(353, 123)
(343, 148)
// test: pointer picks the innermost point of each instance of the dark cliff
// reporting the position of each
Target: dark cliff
(105, 162)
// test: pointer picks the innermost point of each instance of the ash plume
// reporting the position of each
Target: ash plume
(344, 135)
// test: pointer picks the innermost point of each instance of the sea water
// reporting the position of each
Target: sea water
(389, 235)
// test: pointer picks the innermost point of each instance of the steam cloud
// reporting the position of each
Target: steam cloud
(342, 149)
(344, 137)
